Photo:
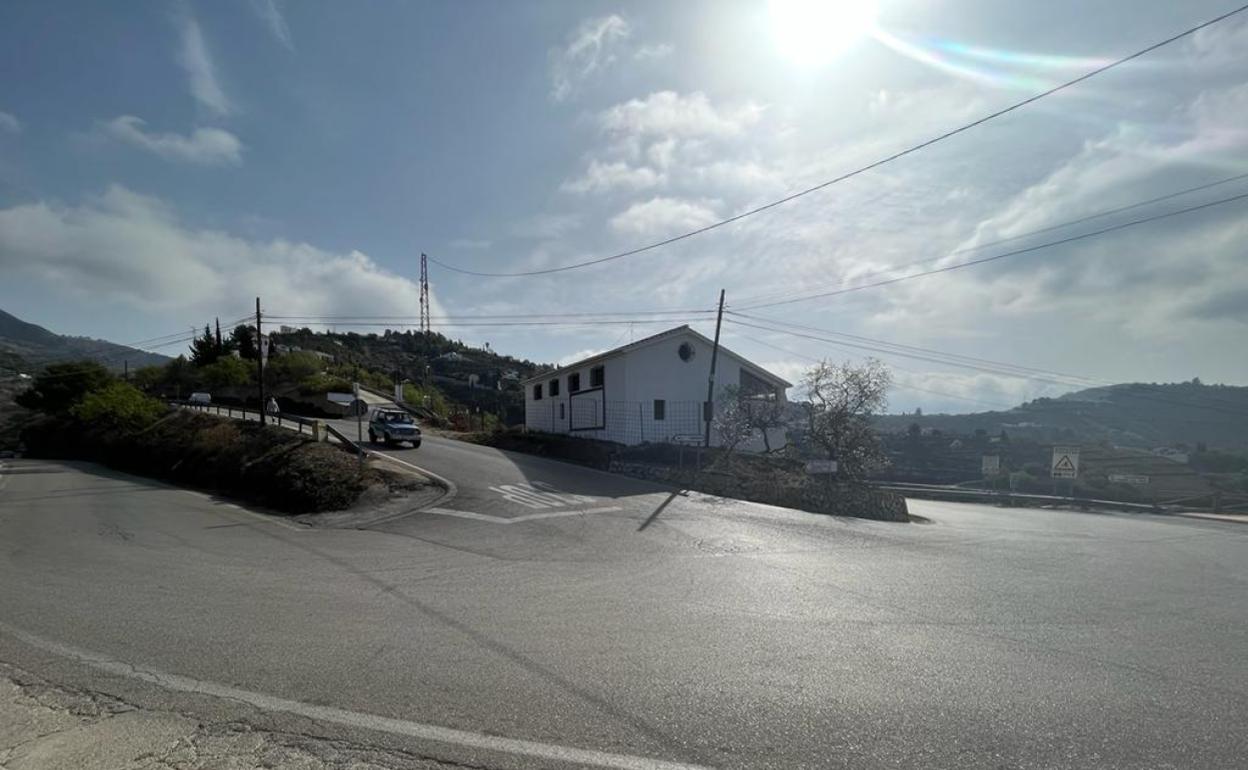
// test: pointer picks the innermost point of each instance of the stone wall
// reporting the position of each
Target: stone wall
(777, 488)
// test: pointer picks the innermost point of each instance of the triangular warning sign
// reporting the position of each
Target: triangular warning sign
(1064, 464)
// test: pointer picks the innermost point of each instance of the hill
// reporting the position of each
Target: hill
(1130, 415)
(25, 346)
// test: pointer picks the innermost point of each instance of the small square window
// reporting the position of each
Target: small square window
(660, 409)
(537, 392)
(574, 382)
(554, 388)
(595, 377)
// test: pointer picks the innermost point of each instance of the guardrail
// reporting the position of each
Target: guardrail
(280, 419)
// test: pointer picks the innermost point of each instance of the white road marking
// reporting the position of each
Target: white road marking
(447, 735)
(518, 519)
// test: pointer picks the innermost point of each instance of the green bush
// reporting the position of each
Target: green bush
(226, 372)
(323, 383)
(60, 386)
(118, 406)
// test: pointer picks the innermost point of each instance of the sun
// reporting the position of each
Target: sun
(812, 32)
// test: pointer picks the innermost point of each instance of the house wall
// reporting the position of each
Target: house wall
(633, 381)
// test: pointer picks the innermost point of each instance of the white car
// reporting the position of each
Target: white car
(200, 397)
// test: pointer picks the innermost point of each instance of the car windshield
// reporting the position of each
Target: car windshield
(624, 383)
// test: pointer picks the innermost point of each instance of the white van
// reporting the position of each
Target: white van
(200, 397)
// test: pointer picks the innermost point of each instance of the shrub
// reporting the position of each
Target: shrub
(226, 372)
(60, 386)
(118, 406)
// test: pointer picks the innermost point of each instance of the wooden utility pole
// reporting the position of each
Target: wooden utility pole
(710, 381)
(260, 360)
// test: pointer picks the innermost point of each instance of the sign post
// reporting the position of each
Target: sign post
(990, 467)
(1065, 465)
(359, 422)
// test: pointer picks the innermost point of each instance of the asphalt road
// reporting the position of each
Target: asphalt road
(554, 615)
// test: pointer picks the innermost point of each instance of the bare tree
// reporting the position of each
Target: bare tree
(732, 420)
(765, 415)
(842, 399)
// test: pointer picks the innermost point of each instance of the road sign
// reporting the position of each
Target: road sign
(1128, 478)
(687, 439)
(1065, 462)
(820, 466)
(991, 465)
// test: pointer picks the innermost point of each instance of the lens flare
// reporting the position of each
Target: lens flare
(991, 66)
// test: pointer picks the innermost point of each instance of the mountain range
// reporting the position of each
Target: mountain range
(25, 346)
(1145, 415)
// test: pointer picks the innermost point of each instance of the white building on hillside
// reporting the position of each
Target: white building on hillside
(651, 390)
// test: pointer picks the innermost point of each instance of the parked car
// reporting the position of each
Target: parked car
(393, 426)
(200, 397)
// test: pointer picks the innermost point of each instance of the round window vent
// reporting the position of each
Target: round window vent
(685, 351)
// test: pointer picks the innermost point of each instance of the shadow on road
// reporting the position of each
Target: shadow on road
(651, 518)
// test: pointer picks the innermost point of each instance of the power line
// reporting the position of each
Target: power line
(1075, 378)
(863, 169)
(458, 324)
(980, 246)
(1004, 255)
(496, 316)
(903, 385)
(1001, 370)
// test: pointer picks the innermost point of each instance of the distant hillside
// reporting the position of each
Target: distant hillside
(1134, 415)
(25, 345)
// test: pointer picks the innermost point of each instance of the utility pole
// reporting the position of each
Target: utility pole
(260, 360)
(424, 293)
(710, 381)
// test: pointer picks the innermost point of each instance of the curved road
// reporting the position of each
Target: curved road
(555, 616)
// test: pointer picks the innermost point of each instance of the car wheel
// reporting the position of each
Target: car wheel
(415, 445)
(372, 436)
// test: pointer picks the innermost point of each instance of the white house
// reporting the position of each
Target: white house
(651, 390)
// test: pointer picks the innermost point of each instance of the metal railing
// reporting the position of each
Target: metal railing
(280, 419)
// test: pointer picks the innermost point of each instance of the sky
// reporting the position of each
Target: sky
(165, 163)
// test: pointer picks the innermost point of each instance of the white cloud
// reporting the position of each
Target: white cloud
(205, 146)
(10, 123)
(664, 216)
(197, 62)
(653, 51)
(270, 12)
(667, 113)
(123, 247)
(593, 46)
(600, 177)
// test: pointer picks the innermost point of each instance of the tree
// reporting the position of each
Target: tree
(205, 350)
(60, 386)
(914, 430)
(243, 338)
(843, 399)
(732, 421)
(764, 415)
(118, 405)
(226, 372)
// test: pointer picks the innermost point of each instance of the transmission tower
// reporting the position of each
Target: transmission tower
(424, 293)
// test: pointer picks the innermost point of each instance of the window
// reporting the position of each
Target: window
(537, 392)
(755, 387)
(660, 409)
(554, 388)
(574, 382)
(595, 377)
(560, 410)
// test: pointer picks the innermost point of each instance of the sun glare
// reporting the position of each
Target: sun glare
(812, 32)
